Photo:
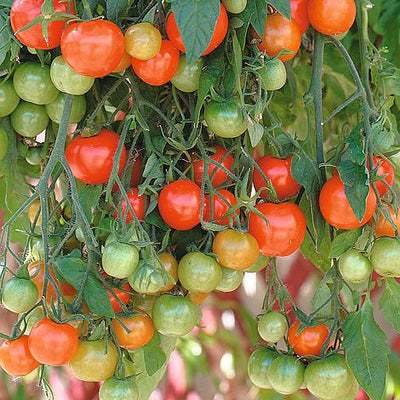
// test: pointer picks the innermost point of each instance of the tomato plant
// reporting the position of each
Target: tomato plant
(78, 111)
(114, 389)
(120, 260)
(187, 76)
(258, 365)
(9, 98)
(122, 295)
(19, 295)
(300, 14)
(231, 279)
(354, 267)
(384, 227)
(136, 201)
(384, 257)
(217, 206)
(142, 41)
(29, 119)
(272, 326)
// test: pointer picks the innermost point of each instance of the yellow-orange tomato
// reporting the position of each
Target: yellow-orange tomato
(171, 266)
(235, 250)
(124, 63)
(384, 227)
(142, 41)
(141, 331)
(197, 298)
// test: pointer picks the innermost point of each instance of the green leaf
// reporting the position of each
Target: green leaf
(5, 40)
(154, 356)
(246, 17)
(390, 302)
(256, 132)
(321, 296)
(259, 16)
(116, 7)
(237, 63)
(196, 20)
(344, 242)
(367, 350)
(89, 197)
(97, 298)
(282, 6)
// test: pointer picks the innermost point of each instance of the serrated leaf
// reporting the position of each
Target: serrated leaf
(196, 20)
(256, 132)
(154, 356)
(259, 17)
(282, 6)
(367, 350)
(390, 302)
(343, 242)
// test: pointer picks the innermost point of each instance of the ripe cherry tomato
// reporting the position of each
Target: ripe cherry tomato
(141, 331)
(161, 68)
(91, 158)
(94, 361)
(199, 272)
(280, 34)
(197, 298)
(332, 17)
(15, 357)
(384, 169)
(19, 295)
(170, 265)
(258, 365)
(136, 176)
(221, 204)
(114, 389)
(310, 341)
(235, 250)
(8, 98)
(285, 230)
(138, 204)
(175, 315)
(179, 204)
(221, 156)
(300, 14)
(123, 64)
(278, 171)
(122, 295)
(93, 48)
(384, 227)
(385, 257)
(220, 30)
(142, 41)
(29, 119)
(336, 209)
(51, 343)
(24, 12)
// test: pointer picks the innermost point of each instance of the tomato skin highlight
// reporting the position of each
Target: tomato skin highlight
(220, 30)
(24, 12)
(332, 17)
(285, 232)
(51, 343)
(93, 48)
(278, 172)
(15, 357)
(280, 34)
(300, 14)
(336, 209)
(91, 159)
(310, 341)
(159, 69)
(180, 204)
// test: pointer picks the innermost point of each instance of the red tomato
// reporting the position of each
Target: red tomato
(136, 176)
(336, 209)
(278, 171)
(280, 34)
(93, 48)
(220, 30)
(24, 12)
(91, 159)
(309, 342)
(300, 14)
(384, 168)
(138, 204)
(51, 343)
(220, 207)
(332, 17)
(384, 227)
(122, 296)
(15, 357)
(179, 204)
(221, 156)
(285, 230)
(161, 68)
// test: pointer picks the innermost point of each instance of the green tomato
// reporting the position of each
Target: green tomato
(29, 119)
(273, 75)
(385, 257)
(329, 378)
(19, 295)
(225, 119)
(56, 107)
(32, 83)
(286, 374)
(234, 6)
(354, 267)
(37, 249)
(119, 389)
(260, 264)
(174, 315)
(199, 273)
(272, 326)
(34, 156)
(8, 98)
(146, 280)
(143, 302)
(187, 76)
(258, 365)
(120, 260)
(230, 281)
(3, 142)
(79, 235)
(67, 80)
